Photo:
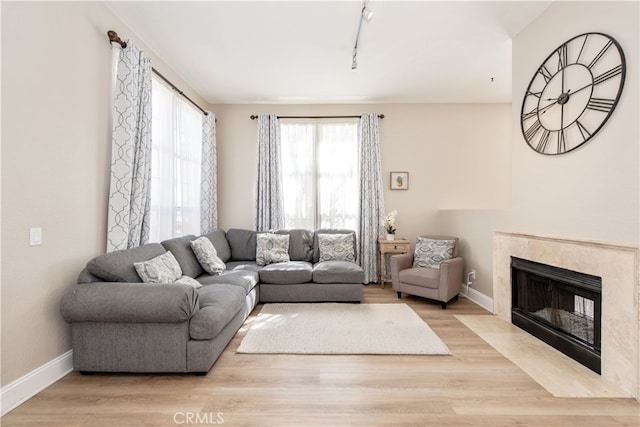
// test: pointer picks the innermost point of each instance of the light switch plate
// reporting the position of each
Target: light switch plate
(35, 236)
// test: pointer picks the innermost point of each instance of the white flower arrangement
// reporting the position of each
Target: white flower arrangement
(389, 222)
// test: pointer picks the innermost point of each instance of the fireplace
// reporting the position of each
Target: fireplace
(559, 306)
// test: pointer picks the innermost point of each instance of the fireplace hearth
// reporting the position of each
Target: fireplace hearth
(560, 307)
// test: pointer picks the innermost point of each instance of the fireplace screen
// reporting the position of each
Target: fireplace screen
(559, 306)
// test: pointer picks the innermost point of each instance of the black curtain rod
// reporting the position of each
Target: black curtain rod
(114, 37)
(253, 117)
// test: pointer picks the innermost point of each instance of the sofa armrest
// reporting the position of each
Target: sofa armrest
(129, 303)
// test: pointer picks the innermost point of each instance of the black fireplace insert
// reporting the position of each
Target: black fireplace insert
(560, 307)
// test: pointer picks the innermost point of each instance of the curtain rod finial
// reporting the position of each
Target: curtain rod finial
(114, 37)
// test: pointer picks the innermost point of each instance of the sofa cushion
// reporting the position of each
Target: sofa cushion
(219, 240)
(207, 255)
(420, 276)
(338, 272)
(218, 305)
(284, 273)
(161, 269)
(242, 244)
(430, 253)
(243, 265)
(181, 249)
(316, 246)
(118, 266)
(247, 280)
(300, 244)
(271, 248)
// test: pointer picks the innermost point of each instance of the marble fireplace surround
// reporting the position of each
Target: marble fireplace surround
(618, 267)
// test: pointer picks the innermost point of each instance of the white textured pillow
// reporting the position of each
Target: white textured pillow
(272, 248)
(207, 255)
(161, 269)
(431, 253)
(336, 247)
(186, 280)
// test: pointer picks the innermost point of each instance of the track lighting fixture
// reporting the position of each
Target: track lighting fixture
(365, 15)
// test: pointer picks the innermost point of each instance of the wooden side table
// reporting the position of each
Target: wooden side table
(397, 246)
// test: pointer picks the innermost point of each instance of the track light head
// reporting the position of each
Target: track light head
(367, 14)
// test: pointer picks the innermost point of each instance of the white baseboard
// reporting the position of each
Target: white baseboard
(479, 298)
(26, 387)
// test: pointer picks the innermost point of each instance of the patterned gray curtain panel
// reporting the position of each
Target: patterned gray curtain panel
(128, 214)
(209, 186)
(371, 195)
(269, 203)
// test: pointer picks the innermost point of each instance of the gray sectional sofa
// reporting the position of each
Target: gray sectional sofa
(120, 324)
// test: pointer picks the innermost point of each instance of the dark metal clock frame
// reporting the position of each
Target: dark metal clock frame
(585, 63)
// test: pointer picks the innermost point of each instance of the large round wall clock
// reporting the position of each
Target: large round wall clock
(573, 93)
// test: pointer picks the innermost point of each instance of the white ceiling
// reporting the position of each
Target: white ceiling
(300, 51)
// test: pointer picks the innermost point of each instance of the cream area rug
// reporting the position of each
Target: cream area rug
(335, 328)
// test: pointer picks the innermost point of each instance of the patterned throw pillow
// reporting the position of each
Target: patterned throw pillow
(272, 248)
(207, 255)
(161, 269)
(431, 253)
(186, 280)
(336, 247)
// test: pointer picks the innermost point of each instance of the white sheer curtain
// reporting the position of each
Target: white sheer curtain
(320, 174)
(128, 210)
(175, 165)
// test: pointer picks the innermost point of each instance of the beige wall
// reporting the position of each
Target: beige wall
(56, 63)
(589, 194)
(456, 155)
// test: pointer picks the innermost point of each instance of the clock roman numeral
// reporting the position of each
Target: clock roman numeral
(545, 73)
(530, 114)
(562, 146)
(532, 130)
(542, 143)
(601, 104)
(599, 55)
(536, 94)
(607, 75)
(583, 130)
(562, 56)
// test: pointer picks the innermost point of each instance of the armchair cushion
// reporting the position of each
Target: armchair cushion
(420, 276)
(431, 253)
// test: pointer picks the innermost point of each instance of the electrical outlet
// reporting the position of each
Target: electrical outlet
(35, 236)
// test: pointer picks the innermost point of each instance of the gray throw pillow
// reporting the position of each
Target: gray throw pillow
(431, 253)
(161, 269)
(336, 247)
(207, 255)
(272, 248)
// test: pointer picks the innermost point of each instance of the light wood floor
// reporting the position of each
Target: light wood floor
(477, 386)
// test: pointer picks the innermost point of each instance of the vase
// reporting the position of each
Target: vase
(391, 237)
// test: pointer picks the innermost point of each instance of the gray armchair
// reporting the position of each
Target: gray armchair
(443, 284)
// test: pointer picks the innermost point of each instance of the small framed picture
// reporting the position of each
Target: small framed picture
(399, 180)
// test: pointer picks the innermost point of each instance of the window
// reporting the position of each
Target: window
(175, 165)
(320, 174)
